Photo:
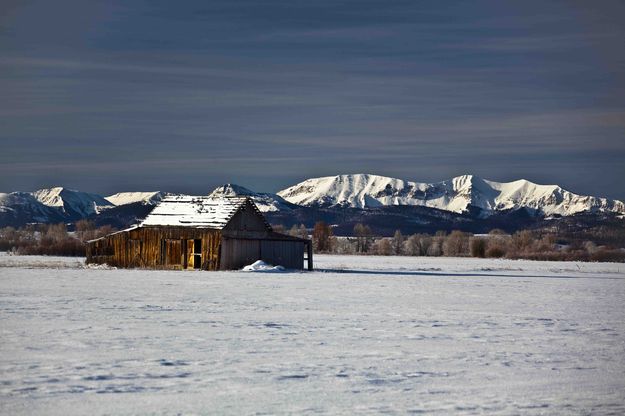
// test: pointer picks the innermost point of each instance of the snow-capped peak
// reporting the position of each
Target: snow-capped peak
(358, 190)
(231, 189)
(19, 208)
(458, 194)
(265, 202)
(147, 198)
(71, 202)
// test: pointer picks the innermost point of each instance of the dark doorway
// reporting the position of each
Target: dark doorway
(197, 253)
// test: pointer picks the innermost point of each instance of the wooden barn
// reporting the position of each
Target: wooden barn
(188, 232)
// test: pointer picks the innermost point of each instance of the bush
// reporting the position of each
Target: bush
(456, 244)
(522, 241)
(603, 254)
(436, 247)
(495, 251)
(383, 247)
(478, 247)
(52, 240)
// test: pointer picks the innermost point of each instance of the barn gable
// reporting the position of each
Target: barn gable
(247, 219)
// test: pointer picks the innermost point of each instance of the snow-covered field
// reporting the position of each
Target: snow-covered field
(360, 335)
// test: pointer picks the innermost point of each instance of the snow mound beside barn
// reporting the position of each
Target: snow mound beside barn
(261, 266)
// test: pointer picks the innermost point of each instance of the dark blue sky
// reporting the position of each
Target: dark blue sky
(182, 96)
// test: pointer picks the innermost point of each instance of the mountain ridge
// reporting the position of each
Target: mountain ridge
(340, 199)
(459, 194)
(148, 198)
(76, 204)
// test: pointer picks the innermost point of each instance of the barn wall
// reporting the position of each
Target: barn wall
(155, 247)
(239, 252)
(289, 254)
(236, 253)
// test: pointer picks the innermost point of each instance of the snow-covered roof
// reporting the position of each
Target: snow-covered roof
(194, 211)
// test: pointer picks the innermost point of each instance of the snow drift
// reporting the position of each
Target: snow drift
(261, 266)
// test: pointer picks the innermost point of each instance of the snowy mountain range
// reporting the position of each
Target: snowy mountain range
(342, 199)
(58, 204)
(460, 194)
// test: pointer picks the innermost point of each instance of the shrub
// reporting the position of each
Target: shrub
(50, 240)
(478, 247)
(456, 244)
(604, 254)
(495, 251)
(383, 247)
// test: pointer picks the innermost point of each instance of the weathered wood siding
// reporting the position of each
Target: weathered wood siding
(246, 237)
(156, 248)
(239, 252)
(247, 219)
(289, 254)
(236, 253)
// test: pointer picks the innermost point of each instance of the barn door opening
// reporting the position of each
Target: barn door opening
(197, 253)
(194, 253)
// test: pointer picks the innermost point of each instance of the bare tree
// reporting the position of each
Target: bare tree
(302, 231)
(344, 246)
(383, 247)
(364, 238)
(412, 245)
(436, 246)
(478, 247)
(522, 241)
(321, 236)
(293, 231)
(278, 228)
(398, 242)
(299, 231)
(85, 230)
(456, 244)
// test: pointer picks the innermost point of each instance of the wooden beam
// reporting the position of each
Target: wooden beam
(309, 249)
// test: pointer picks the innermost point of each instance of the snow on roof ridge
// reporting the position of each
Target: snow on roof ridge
(195, 211)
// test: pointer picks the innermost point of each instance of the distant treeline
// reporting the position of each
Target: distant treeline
(51, 239)
(526, 244)
(593, 244)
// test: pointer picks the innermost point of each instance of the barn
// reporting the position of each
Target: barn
(197, 232)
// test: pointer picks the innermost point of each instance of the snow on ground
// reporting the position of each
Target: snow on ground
(40, 262)
(362, 335)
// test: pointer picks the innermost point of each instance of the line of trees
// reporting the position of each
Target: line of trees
(55, 239)
(51, 239)
(525, 244)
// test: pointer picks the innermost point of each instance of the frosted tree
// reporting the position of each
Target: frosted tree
(302, 231)
(383, 247)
